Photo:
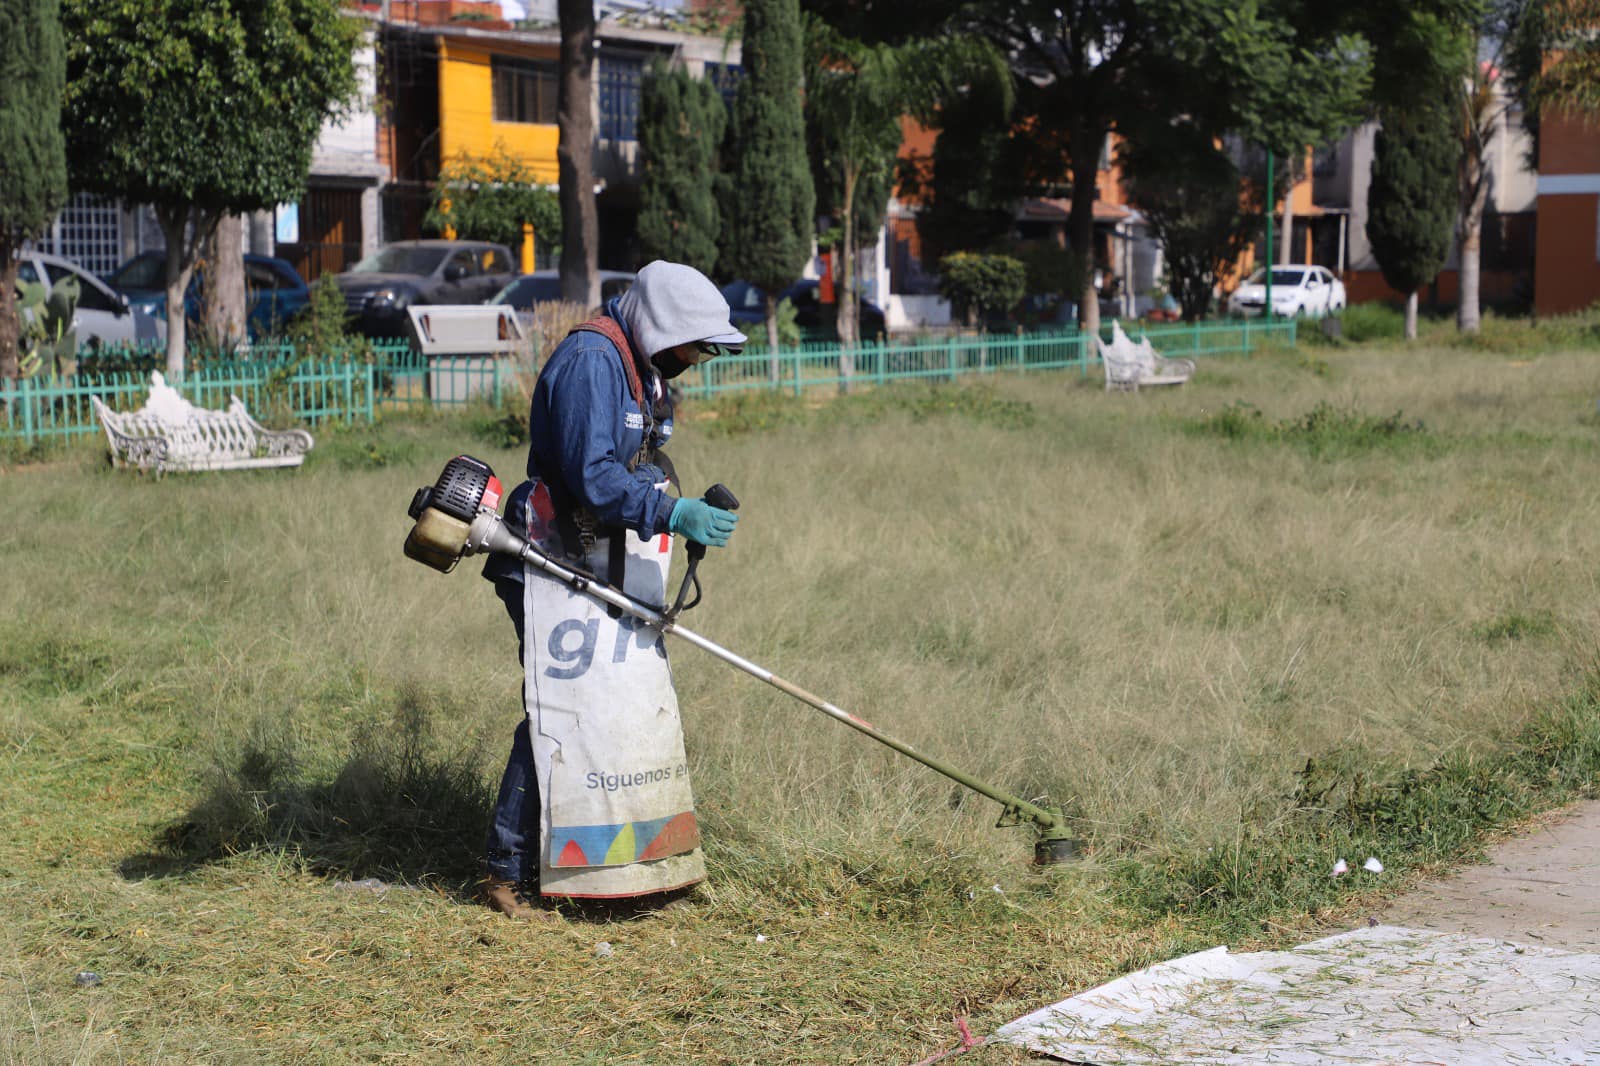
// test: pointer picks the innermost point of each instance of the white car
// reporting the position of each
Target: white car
(103, 316)
(1297, 289)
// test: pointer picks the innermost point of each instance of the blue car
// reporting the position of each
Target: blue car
(274, 291)
(747, 306)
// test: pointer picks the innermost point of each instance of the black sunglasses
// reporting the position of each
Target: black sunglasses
(711, 350)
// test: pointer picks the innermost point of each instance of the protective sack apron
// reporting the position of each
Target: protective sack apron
(618, 814)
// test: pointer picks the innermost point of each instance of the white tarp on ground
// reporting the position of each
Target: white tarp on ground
(1378, 995)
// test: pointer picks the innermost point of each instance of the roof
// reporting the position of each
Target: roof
(1058, 209)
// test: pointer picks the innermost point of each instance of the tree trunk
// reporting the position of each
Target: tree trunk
(185, 237)
(10, 325)
(1286, 238)
(1411, 315)
(224, 286)
(1469, 242)
(580, 227)
(1080, 225)
(845, 302)
(772, 336)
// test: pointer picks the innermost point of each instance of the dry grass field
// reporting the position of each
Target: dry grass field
(1315, 604)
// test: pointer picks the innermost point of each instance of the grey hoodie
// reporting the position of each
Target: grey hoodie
(671, 304)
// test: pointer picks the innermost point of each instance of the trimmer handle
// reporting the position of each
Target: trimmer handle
(718, 495)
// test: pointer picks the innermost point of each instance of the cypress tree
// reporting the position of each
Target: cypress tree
(33, 159)
(768, 200)
(1411, 203)
(681, 123)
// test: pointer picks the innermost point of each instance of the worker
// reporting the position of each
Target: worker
(595, 801)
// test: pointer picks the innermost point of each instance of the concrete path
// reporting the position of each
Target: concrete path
(1542, 887)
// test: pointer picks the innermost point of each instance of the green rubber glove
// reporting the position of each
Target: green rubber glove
(699, 521)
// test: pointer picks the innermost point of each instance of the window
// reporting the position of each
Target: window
(466, 261)
(259, 275)
(90, 296)
(147, 271)
(524, 90)
(725, 76)
(619, 97)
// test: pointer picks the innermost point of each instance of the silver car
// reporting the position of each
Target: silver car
(103, 317)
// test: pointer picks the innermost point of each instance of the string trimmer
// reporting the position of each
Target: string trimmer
(458, 516)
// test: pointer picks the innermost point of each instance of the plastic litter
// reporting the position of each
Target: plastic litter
(1372, 865)
(603, 950)
(86, 979)
(1340, 867)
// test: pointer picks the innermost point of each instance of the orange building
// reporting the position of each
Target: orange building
(1567, 271)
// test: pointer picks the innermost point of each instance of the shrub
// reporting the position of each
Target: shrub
(1372, 322)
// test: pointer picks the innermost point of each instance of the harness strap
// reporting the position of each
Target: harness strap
(608, 328)
(588, 528)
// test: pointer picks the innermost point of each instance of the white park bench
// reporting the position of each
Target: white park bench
(1129, 365)
(169, 433)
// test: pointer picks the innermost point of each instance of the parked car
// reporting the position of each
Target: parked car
(378, 289)
(103, 316)
(747, 305)
(544, 286)
(274, 290)
(1297, 289)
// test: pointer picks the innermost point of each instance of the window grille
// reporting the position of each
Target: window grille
(89, 232)
(524, 90)
(725, 76)
(619, 97)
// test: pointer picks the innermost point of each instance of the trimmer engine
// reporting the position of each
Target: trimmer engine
(444, 512)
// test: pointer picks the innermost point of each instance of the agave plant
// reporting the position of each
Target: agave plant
(47, 329)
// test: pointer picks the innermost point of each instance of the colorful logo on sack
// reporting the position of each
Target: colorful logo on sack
(618, 845)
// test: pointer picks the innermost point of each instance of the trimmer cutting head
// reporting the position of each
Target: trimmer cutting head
(1048, 851)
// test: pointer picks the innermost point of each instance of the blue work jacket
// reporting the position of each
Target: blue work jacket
(584, 428)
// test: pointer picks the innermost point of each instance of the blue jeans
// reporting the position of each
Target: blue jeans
(514, 829)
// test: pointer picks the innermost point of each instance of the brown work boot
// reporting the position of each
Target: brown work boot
(513, 900)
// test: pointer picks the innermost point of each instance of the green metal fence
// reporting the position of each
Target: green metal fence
(795, 370)
(276, 385)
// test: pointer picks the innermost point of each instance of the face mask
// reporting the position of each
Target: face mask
(668, 363)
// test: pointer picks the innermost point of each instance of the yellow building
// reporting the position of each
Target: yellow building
(477, 89)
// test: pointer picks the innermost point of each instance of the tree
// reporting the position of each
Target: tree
(33, 165)
(489, 198)
(580, 222)
(1480, 110)
(978, 171)
(1286, 80)
(1411, 203)
(768, 198)
(854, 105)
(1194, 200)
(1551, 55)
(681, 124)
(1084, 68)
(201, 108)
(981, 285)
